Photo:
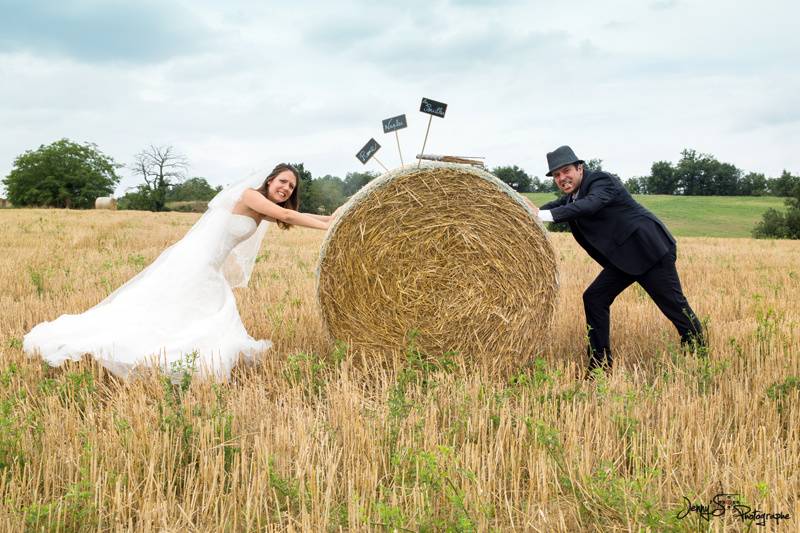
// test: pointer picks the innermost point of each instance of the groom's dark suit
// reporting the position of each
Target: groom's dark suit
(632, 245)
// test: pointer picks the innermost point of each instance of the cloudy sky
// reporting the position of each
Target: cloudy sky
(240, 85)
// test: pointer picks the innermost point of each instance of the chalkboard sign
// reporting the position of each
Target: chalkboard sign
(394, 123)
(368, 151)
(432, 107)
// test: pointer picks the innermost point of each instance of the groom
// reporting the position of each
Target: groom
(628, 241)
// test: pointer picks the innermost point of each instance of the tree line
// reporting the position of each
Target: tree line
(66, 174)
(695, 174)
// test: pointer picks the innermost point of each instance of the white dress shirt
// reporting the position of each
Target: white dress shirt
(546, 216)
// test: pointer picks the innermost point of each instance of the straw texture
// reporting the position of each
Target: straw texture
(445, 251)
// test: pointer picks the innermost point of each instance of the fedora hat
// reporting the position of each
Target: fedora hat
(561, 156)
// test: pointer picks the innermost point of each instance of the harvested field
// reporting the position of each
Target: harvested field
(319, 437)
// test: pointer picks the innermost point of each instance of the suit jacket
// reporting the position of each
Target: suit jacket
(611, 226)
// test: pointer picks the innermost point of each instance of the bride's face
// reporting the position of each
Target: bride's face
(280, 188)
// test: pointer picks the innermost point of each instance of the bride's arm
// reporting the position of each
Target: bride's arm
(256, 201)
(324, 218)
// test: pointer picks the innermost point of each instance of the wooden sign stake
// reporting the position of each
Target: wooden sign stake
(430, 118)
(432, 107)
(396, 136)
(392, 124)
(381, 164)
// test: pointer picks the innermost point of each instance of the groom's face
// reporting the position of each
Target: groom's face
(568, 178)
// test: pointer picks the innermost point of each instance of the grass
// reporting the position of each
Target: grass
(701, 216)
(317, 437)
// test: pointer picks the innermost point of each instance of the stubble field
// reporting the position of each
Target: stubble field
(317, 437)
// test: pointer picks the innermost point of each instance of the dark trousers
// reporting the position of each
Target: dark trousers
(661, 282)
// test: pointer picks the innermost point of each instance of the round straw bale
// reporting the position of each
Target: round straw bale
(445, 252)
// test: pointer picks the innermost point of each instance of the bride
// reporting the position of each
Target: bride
(181, 308)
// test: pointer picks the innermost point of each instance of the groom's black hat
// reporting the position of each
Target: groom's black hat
(561, 156)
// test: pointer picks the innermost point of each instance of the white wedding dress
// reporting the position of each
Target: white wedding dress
(181, 309)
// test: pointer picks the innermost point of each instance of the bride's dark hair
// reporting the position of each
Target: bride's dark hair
(293, 202)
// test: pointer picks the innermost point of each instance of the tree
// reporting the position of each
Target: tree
(725, 179)
(330, 193)
(353, 181)
(691, 173)
(547, 185)
(138, 200)
(783, 185)
(594, 165)
(514, 176)
(753, 184)
(161, 168)
(636, 185)
(703, 175)
(662, 179)
(775, 224)
(61, 174)
(192, 189)
(309, 197)
(305, 175)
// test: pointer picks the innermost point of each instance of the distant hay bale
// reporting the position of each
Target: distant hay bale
(4, 203)
(105, 202)
(447, 251)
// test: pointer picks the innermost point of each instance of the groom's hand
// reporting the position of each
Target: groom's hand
(533, 207)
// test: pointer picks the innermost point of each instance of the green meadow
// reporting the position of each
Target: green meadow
(701, 216)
